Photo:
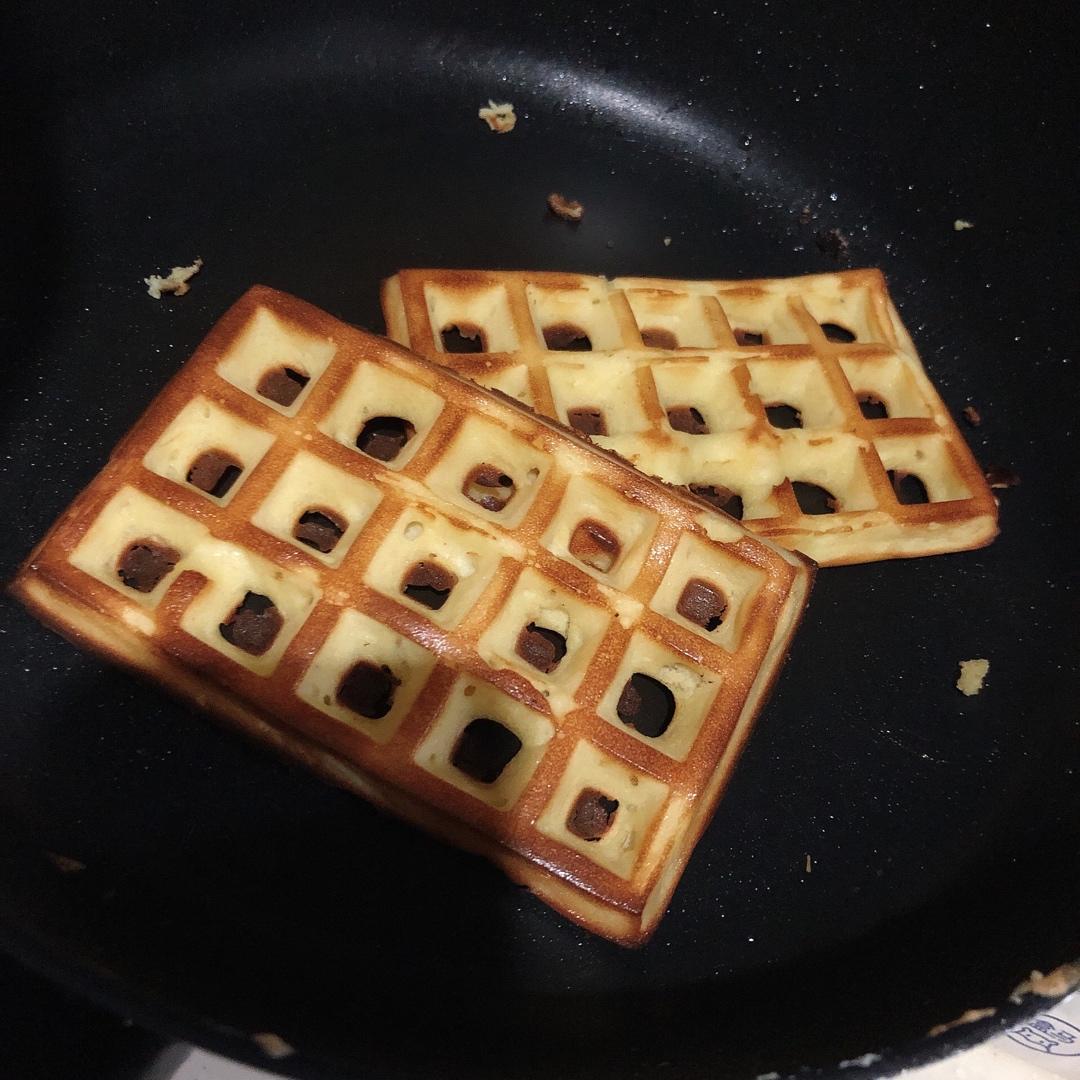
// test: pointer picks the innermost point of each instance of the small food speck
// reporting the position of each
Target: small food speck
(832, 242)
(970, 1016)
(972, 415)
(972, 674)
(500, 118)
(65, 863)
(1001, 476)
(176, 282)
(959, 225)
(809, 864)
(567, 209)
(806, 215)
(273, 1046)
(667, 241)
(1056, 983)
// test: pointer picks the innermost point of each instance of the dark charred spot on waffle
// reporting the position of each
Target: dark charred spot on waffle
(782, 415)
(702, 603)
(253, 625)
(595, 545)
(368, 689)
(144, 563)
(751, 337)
(282, 385)
(591, 815)
(656, 337)
(872, 407)
(721, 497)
(463, 338)
(320, 529)
(484, 749)
(814, 499)
(541, 647)
(688, 419)
(429, 584)
(587, 421)
(489, 487)
(1001, 476)
(565, 337)
(215, 472)
(909, 488)
(835, 332)
(646, 705)
(384, 437)
(832, 242)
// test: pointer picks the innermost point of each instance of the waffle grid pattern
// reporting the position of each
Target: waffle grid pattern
(798, 404)
(456, 663)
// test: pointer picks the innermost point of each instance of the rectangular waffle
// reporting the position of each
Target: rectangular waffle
(796, 404)
(434, 597)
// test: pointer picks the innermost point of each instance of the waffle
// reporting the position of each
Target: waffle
(798, 405)
(437, 599)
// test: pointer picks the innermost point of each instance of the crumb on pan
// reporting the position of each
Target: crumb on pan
(567, 209)
(832, 242)
(809, 864)
(500, 118)
(667, 241)
(1001, 476)
(969, 1016)
(959, 225)
(972, 674)
(65, 863)
(806, 215)
(972, 415)
(176, 282)
(273, 1046)
(1056, 983)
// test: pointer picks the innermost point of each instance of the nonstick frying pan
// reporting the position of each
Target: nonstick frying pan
(318, 149)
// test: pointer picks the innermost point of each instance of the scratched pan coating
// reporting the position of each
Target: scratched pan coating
(226, 892)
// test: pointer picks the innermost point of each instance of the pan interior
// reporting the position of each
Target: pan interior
(874, 856)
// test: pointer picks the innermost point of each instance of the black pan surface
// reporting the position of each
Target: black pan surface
(319, 148)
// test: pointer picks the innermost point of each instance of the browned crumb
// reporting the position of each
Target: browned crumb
(65, 863)
(972, 415)
(806, 215)
(176, 282)
(967, 1017)
(500, 118)
(1056, 983)
(1001, 476)
(809, 864)
(273, 1046)
(832, 242)
(567, 209)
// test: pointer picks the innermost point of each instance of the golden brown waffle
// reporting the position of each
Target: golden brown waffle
(797, 404)
(434, 597)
